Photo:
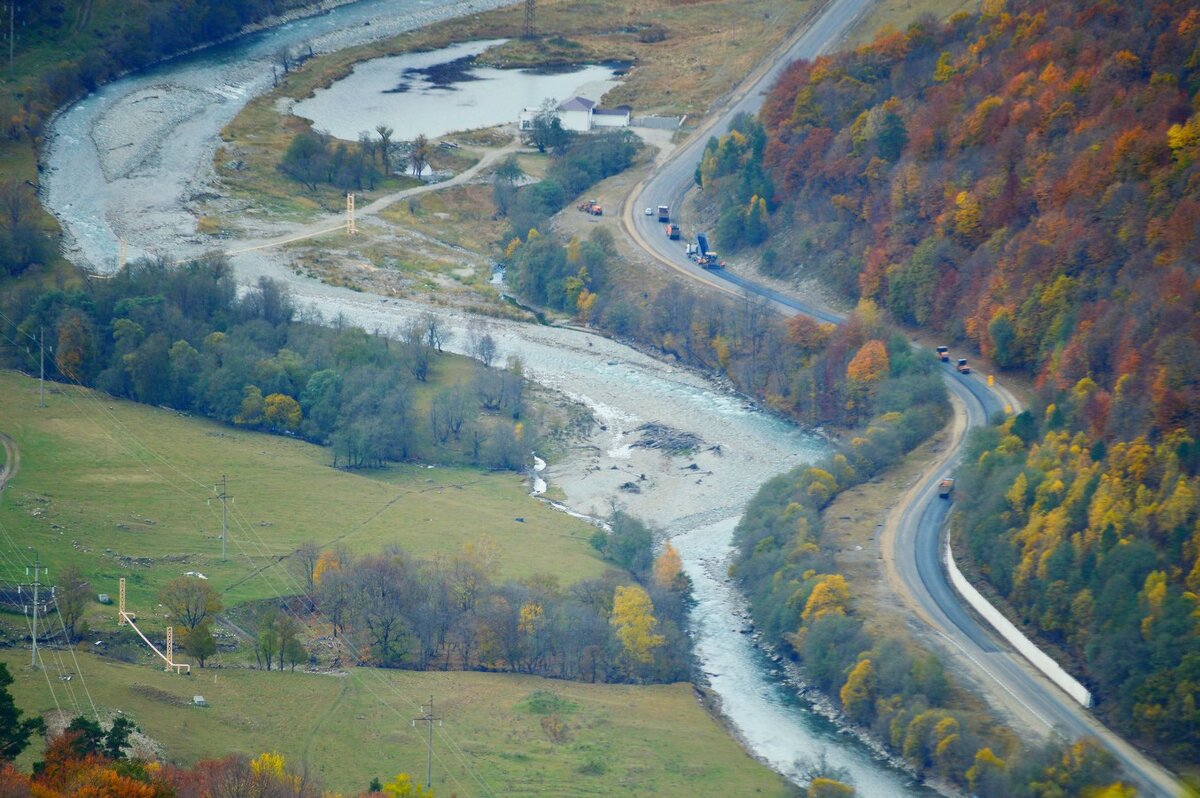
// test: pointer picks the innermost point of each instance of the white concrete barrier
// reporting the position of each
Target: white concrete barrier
(1038, 658)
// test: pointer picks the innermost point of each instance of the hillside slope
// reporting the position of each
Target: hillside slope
(1026, 181)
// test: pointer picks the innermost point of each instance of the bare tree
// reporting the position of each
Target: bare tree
(381, 602)
(417, 353)
(307, 555)
(480, 344)
(418, 155)
(70, 597)
(385, 147)
(283, 57)
(366, 154)
(436, 333)
(448, 412)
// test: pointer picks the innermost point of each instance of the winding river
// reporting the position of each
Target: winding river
(123, 164)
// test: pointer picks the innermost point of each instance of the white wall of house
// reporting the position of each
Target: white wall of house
(610, 120)
(580, 121)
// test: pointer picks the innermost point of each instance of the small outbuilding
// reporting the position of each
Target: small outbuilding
(612, 117)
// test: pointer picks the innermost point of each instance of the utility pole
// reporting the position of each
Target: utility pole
(427, 716)
(224, 517)
(12, 10)
(37, 583)
(529, 9)
(42, 366)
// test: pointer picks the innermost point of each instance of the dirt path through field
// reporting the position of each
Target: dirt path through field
(12, 461)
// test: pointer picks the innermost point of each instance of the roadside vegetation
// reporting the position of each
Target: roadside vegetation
(1029, 178)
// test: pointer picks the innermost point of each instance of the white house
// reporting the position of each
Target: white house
(576, 114)
(579, 114)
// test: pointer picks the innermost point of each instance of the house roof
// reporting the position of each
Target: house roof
(611, 111)
(576, 104)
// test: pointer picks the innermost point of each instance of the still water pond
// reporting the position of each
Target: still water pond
(440, 92)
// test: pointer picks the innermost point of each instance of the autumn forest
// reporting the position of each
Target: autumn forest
(1025, 182)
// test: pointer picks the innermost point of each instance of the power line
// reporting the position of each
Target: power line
(428, 717)
(36, 585)
(223, 496)
(127, 436)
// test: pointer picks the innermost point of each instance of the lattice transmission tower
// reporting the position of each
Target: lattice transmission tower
(529, 4)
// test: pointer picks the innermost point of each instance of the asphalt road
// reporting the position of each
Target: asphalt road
(920, 535)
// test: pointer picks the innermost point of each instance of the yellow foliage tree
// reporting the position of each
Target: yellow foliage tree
(403, 787)
(870, 364)
(986, 767)
(634, 621)
(857, 692)
(327, 562)
(829, 597)
(584, 303)
(530, 617)
(268, 766)
(822, 787)
(282, 412)
(968, 218)
(1153, 593)
(668, 568)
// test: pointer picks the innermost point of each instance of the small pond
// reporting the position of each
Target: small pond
(440, 92)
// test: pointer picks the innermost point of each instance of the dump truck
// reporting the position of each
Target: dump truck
(664, 213)
(943, 353)
(592, 207)
(962, 366)
(672, 231)
(945, 488)
(705, 256)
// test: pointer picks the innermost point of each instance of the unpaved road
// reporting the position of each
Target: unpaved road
(12, 461)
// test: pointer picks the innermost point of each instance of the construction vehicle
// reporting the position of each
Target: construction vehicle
(672, 231)
(705, 256)
(592, 207)
(943, 353)
(664, 213)
(962, 367)
(945, 488)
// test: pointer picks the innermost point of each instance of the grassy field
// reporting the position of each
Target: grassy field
(121, 489)
(616, 739)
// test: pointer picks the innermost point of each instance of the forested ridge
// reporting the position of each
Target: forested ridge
(1026, 182)
(66, 48)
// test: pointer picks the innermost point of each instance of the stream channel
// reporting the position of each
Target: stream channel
(125, 162)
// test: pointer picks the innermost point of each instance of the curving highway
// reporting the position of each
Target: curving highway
(917, 524)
